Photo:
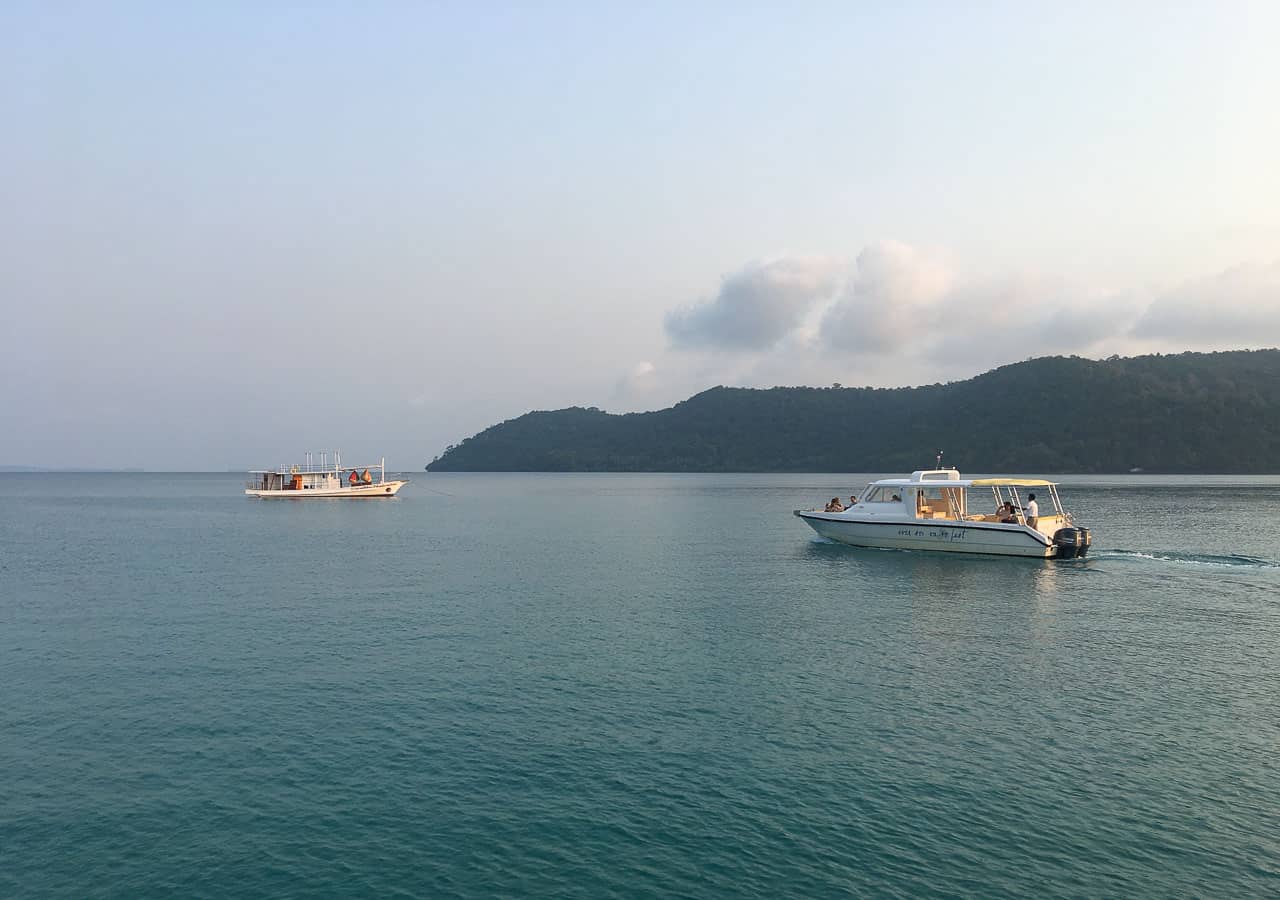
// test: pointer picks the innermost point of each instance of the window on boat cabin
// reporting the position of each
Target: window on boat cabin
(881, 495)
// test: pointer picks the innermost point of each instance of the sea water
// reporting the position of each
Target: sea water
(629, 686)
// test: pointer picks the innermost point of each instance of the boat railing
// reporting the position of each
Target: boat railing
(314, 469)
(326, 465)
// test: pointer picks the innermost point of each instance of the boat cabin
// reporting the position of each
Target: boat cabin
(294, 478)
(943, 494)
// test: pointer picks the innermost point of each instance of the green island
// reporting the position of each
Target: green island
(1173, 413)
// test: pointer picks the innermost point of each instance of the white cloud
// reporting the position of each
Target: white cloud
(757, 306)
(1240, 306)
(891, 300)
(996, 321)
(637, 385)
(903, 303)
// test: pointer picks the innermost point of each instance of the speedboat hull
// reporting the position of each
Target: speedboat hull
(945, 535)
(377, 490)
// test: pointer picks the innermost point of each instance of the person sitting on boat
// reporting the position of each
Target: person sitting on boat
(896, 498)
(834, 505)
(1005, 513)
(1032, 510)
(853, 501)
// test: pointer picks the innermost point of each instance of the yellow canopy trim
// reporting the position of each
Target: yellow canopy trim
(1013, 482)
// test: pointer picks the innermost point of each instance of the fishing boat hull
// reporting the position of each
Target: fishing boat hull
(945, 535)
(377, 490)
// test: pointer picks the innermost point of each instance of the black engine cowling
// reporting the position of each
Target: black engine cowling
(1072, 542)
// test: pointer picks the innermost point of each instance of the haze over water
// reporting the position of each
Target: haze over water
(629, 685)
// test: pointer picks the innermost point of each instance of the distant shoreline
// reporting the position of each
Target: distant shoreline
(68, 470)
(32, 470)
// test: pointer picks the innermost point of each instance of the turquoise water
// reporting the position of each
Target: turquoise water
(632, 686)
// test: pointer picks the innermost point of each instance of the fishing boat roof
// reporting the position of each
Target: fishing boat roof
(311, 470)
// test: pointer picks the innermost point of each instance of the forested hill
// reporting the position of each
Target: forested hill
(1192, 412)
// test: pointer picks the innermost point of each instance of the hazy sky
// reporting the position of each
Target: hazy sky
(230, 232)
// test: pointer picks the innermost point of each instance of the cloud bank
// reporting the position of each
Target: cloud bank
(898, 314)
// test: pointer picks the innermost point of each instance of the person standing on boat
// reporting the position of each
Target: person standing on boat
(1031, 510)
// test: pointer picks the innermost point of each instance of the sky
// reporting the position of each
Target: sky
(233, 232)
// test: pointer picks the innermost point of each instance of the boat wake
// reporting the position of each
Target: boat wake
(1196, 559)
(1232, 560)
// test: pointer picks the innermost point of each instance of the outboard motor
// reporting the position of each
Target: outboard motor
(1072, 542)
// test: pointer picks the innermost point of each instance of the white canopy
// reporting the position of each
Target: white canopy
(921, 479)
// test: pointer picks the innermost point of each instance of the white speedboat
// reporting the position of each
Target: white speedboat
(935, 509)
(318, 478)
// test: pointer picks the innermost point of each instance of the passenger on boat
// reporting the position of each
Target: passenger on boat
(1005, 513)
(896, 498)
(834, 505)
(1032, 510)
(853, 501)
